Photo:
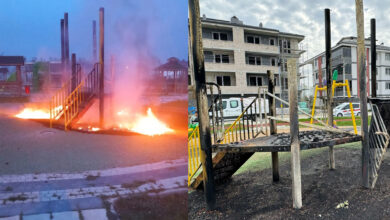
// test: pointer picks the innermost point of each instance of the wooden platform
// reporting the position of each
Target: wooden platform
(281, 142)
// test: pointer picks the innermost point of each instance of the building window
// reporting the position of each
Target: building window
(254, 60)
(189, 80)
(253, 39)
(255, 80)
(286, 83)
(224, 80)
(388, 71)
(220, 36)
(387, 86)
(225, 58)
(272, 41)
(250, 39)
(217, 58)
(273, 62)
(387, 56)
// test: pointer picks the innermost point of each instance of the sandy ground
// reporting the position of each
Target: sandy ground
(252, 195)
(30, 147)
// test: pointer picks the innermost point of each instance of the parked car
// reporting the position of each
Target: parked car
(304, 107)
(344, 110)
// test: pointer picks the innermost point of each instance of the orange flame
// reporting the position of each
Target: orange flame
(150, 125)
(29, 113)
(146, 124)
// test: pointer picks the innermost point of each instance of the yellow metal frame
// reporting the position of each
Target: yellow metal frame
(57, 101)
(334, 85)
(72, 104)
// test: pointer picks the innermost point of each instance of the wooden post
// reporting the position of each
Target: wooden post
(363, 92)
(329, 81)
(94, 42)
(273, 126)
(201, 97)
(74, 72)
(373, 58)
(294, 132)
(101, 68)
(66, 39)
(62, 43)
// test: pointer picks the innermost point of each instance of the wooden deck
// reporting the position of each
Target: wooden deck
(281, 142)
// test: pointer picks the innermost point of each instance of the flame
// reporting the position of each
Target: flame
(29, 113)
(148, 125)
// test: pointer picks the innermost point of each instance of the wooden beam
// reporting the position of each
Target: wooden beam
(362, 92)
(202, 104)
(294, 133)
(273, 126)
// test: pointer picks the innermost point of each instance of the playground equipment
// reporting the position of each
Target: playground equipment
(230, 153)
(334, 85)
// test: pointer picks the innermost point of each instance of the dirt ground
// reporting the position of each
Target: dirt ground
(252, 195)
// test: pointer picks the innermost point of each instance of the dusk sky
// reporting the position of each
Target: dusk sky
(32, 28)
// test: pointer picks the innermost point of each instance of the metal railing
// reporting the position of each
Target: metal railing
(378, 142)
(57, 101)
(246, 126)
(85, 90)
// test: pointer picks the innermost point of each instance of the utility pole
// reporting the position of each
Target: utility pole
(202, 104)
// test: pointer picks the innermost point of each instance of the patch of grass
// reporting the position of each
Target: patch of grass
(262, 160)
(170, 207)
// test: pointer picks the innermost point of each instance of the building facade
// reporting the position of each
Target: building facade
(344, 59)
(237, 56)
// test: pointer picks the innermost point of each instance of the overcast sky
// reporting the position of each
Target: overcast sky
(304, 17)
(32, 28)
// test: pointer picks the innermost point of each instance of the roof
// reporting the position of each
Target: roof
(11, 60)
(236, 22)
(173, 64)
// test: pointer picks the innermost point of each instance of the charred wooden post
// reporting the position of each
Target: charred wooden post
(94, 42)
(62, 43)
(294, 134)
(273, 126)
(201, 97)
(362, 92)
(101, 68)
(373, 58)
(74, 72)
(66, 38)
(329, 81)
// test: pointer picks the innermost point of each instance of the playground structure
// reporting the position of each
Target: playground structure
(213, 162)
(77, 95)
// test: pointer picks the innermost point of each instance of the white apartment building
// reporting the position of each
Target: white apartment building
(237, 56)
(344, 59)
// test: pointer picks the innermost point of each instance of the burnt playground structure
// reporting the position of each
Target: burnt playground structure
(216, 153)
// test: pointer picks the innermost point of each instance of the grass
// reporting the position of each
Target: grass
(262, 160)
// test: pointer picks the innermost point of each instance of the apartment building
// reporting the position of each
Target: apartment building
(237, 56)
(344, 59)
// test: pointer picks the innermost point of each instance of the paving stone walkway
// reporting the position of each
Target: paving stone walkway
(84, 195)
